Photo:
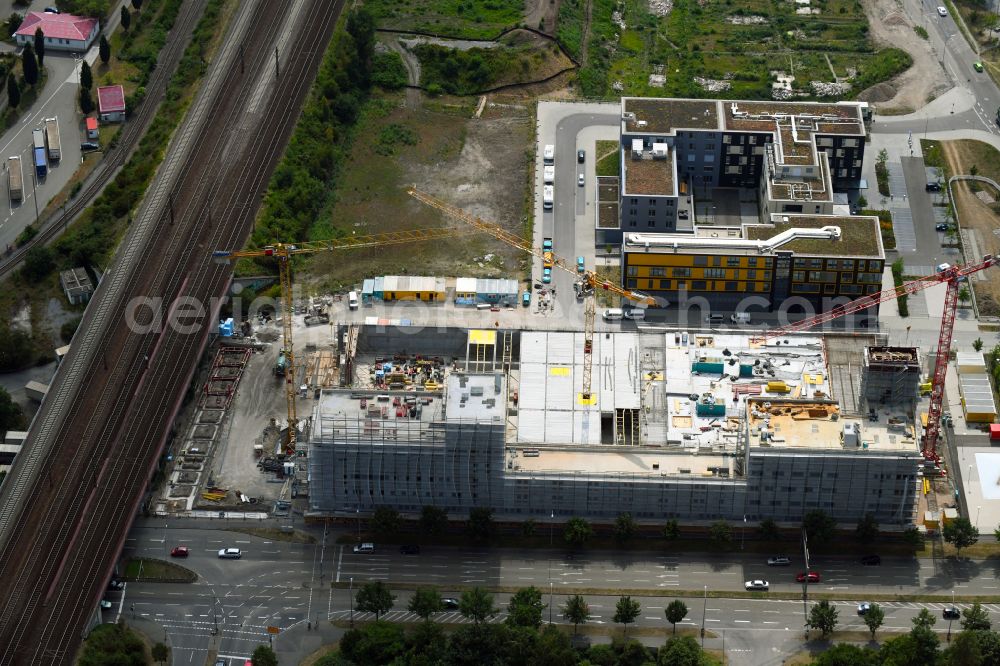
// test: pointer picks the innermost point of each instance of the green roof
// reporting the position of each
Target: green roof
(859, 236)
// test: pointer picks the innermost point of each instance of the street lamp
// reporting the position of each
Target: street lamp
(550, 602)
(704, 610)
(552, 520)
(978, 509)
(351, 594)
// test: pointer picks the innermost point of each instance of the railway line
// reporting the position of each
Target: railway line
(128, 139)
(103, 450)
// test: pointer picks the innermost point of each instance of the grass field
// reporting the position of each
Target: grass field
(608, 158)
(468, 19)
(739, 44)
(479, 163)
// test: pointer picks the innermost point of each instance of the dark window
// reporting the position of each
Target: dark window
(681, 272)
(664, 284)
(701, 261)
(732, 286)
(698, 285)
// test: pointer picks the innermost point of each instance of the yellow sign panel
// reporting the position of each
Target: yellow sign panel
(559, 372)
(274, 630)
(580, 400)
(654, 376)
(481, 336)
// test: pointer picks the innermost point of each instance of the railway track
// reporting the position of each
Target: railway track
(128, 139)
(116, 427)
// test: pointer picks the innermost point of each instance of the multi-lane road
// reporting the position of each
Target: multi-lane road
(292, 586)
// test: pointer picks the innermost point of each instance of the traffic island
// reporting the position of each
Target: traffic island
(147, 570)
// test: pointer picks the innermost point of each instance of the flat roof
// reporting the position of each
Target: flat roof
(859, 235)
(618, 460)
(663, 115)
(648, 176)
(819, 424)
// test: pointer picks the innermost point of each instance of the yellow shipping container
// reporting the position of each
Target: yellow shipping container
(777, 387)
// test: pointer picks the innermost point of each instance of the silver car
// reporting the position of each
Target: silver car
(230, 554)
(757, 585)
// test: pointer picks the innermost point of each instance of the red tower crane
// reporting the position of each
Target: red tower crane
(951, 277)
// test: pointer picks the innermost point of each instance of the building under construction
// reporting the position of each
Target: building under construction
(697, 426)
(891, 376)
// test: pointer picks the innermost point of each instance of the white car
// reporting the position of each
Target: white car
(863, 608)
(778, 561)
(758, 585)
(105, 605)
(581, 180)
(230, 554)
(942, 11)
(941, 268)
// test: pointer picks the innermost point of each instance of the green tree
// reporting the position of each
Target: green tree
(626, 611)
(10, 414)
(425, 602)
(376, 643)
(874, 618)
(104, 49)
(624, 527)
(976, 618)
(86, 76)
(13, 22)
(38, 263)
(977, 344)
(823, 616)
(529, 528)
(433, 520)
(160, 652)
(126, 18)
(672, 530)
(960, 533)
(923, 619)
(973, 170)
(818, 526)
(867, 529)
(964, 651)
(576, 611)
(577, 532)
(480, 525)
(40, 46)
(29, 65)
(681, 651)
(16, 349)
(13, 92)
(768, 530)
(924, 645)
(263, 656)
(525, 608)
(477, 605)
(374, 597)
(553, 648)
(721, 534)
(86, 102)
(913, 538)
(385, 522)
(675, 611)
(137, 4)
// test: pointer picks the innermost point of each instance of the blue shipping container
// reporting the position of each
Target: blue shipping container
(41, 166)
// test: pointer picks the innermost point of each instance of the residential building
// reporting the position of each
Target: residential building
(63, 32)
(677, 152)
(795, 260)
(111, 104)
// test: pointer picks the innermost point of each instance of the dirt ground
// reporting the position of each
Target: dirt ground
(538, 10)
(975, 214)
(479, 164)
(923, 81)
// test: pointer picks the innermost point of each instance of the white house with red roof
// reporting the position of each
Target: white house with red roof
(63, 32)
(111, 104)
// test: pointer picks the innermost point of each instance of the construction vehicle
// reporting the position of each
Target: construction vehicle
(949, 275)
(283, 252)
(588, 279)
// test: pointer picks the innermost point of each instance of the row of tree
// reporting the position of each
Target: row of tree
(975, 645)
(577, 532)
(823, 616)
(519, 639)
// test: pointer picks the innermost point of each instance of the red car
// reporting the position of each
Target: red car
(811, 577)
(179, 551)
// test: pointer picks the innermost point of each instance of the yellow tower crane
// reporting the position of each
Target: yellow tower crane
(590, 279)
(283, 252)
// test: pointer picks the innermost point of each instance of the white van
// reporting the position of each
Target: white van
(352, 300)
(635, 314)
(549, 174)
(548, 196)
(549, 154)
(614, 314)
(740, 318)
(365, 548)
